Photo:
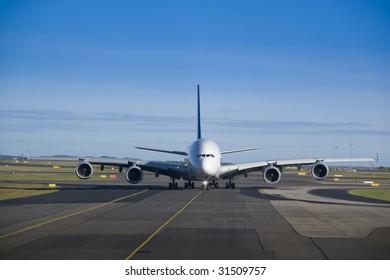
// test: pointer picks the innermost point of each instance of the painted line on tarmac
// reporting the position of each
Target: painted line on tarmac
(262, 191)
(161, 227)
(69, 215)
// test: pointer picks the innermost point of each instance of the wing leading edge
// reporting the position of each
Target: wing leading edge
(232, 170)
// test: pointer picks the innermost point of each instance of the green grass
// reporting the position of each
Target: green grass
(382, 194)
(33, 166)
(26, 176)
(381, 178)
(11, 193)
(362, 175)
(30, 178)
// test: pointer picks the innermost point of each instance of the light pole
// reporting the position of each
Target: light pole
(335, 156)
(350, 156)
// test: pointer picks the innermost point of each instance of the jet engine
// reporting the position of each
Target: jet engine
(271, 174)
(319, 171)
(134, 175)
(84, 170)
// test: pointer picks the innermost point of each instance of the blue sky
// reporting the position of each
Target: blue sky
(296, 78)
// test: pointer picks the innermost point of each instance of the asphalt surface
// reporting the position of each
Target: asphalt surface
(299, 218)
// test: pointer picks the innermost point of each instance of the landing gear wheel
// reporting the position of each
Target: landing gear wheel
(189, 184)
(215, 184)
(173, 184)
(231, 184)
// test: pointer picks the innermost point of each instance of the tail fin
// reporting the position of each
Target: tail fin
(199, 128)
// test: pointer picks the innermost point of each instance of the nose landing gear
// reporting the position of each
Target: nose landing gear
(205, 185)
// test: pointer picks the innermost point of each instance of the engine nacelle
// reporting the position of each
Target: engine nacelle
(84, 170)
(134, 175)
(320, 171)
(271, 174)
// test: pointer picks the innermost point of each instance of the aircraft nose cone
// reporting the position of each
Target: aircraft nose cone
(209, 168)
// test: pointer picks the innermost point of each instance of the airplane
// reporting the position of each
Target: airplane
(204, 163)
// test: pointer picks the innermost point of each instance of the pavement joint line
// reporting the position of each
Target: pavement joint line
(129, 257)
(69, 215)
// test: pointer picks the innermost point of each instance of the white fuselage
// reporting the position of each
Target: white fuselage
(204, 156)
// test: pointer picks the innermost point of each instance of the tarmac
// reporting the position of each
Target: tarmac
(298, 218)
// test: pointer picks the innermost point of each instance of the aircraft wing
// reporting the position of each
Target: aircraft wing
(231, 170)
(172, 170)
(169, 169)
(107, 161)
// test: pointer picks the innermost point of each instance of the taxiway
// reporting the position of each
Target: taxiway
(299, 218)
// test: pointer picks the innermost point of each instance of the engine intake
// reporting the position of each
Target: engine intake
(84, 170)
(134, 175)
(320, 171)
(272, 174)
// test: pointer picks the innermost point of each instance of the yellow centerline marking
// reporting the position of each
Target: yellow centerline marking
(69, 215)
(161, 227)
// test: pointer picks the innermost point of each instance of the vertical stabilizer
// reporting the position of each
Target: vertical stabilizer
(199, 128)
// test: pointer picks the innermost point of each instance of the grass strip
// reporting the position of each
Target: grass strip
(381, 194)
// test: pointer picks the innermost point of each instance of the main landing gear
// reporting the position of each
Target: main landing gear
(205, 184)
(231, 183)
(173, 184)
(189, 184)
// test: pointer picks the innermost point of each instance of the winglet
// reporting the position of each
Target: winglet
(199, 128)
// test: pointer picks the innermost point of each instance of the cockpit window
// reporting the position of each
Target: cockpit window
(205, 155)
